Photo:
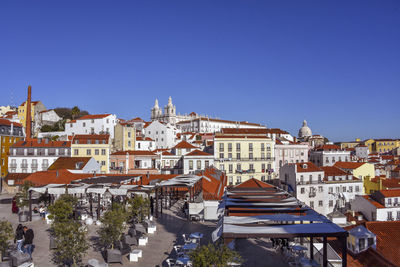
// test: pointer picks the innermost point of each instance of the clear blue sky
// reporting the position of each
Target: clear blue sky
(334, 63)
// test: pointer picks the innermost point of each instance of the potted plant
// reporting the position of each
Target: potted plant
(22, 200)
(6, 233)
(68, 235)
(213, 255)
(138, 208)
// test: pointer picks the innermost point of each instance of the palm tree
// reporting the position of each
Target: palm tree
(75, 112)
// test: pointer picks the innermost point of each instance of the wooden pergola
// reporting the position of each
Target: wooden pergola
(273, 213)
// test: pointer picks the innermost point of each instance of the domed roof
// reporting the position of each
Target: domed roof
(305, 131)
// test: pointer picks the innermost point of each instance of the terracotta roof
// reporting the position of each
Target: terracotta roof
(16, 177)
(390, 192)
(333, 171)
(8, 123)
(348, 164)
(387, 239)
(69, 163)
(328, 147)
(41, 143)
(135, 153)
(167, 153)
(85, 138)
(253, 183)
(307, 167)
(243, 131)
(55, 177)
(214, 186)
(93, 117)
(184, 144)
(140, 138)
(198, 153)
(218, 120)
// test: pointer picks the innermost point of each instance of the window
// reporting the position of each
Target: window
(238, 146)
(344, 189)
(361, 244)
(250, 155)
(320, 189)
(103, 151)
(330, 203)
(221, 155)
(221, 167)
(229, 147)
(262, 155)
(92, 121)
(301, 179)
(302, 190)
(310, 178)
(84, 124)
(320, 203)
(389, 215)
(230, 168)
(251, 167)
(221, 147)
(389, 201)
(319, 178)
(350, 189)
(238, 180)
(207, 164)
(312, 204)
(237, 155)
(129, 134)
(199, 164)
(263, 178)
(230, 180)
(238, 167)
(103, 163)
(262, 147)
(88, 152)
(190, 164)
(129, 143)
(398, 215)
(96, 152)
(229, 155)
(357, 188)
(250, 146)
(76, 152)
(263, 167)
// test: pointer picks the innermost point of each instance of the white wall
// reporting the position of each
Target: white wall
(163, 135)
(98, 125)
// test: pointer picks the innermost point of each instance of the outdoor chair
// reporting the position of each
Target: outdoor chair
(131, 240)
(178, 251)
(114, 255)
(171, 263)
(123, 247)
(19, 258)
(186, 239)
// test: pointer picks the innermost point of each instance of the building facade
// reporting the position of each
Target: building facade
(132, 161)
(97, 146)
(244, 154)
(92, 124)
(328, 155)
(124, 136)
(36, 154)
(163, 134)
(289, 152)
(10, 133)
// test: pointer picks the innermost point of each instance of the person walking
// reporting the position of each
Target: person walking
(28, 243)
(19, 237)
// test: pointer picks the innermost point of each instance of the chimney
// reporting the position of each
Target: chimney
(28, 120)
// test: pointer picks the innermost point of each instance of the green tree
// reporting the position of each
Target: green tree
(213, 255)
(22, 197)
(75, 112)
(113, 225)
(69, 235)
(138, 208)
(6, 233)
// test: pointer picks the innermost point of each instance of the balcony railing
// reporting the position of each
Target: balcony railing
(24, 165)
(34, 165)
(247, 159)
(246, 171)
(13, 165)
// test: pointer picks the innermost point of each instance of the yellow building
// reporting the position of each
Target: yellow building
(97, 146)
(350, 144)
(36, 107)
(10, 133)
(124, 137)
(244, 154)
(370, 144)
(360, 170)
(380, 183)
(385, 145)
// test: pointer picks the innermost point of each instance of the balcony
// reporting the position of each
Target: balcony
(246, 159)
(24, 165)
(245, 171)
(13, 165)
(34, 165)
(45, 166)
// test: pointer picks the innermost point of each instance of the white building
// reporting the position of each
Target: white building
(362, 152)
(163, 134)
(36, 155)
(45, 117)
(324, 189)
(209, 125)
(289, 152)
(92, 124)
(197, 160)
(328, 155)
(383, 205)
(145, 143)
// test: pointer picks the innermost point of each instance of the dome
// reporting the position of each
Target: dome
(305, 131)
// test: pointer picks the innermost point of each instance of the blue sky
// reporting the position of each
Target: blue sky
(334, 63)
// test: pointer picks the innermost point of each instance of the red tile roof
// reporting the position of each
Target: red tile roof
(42, 143)
(55, 177)
(140, 138)
(184, 144)
(213, 187)
(253, 183)
(390, 192)
(198, 153)
(135, 153)
(69, 163)
(307, 167)
(328, 147)
(243, 131)
(85, 138)
(16, 177)
(348, 164)
(93, 117)
(167, 153)
(387, 239)
(8, 123)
